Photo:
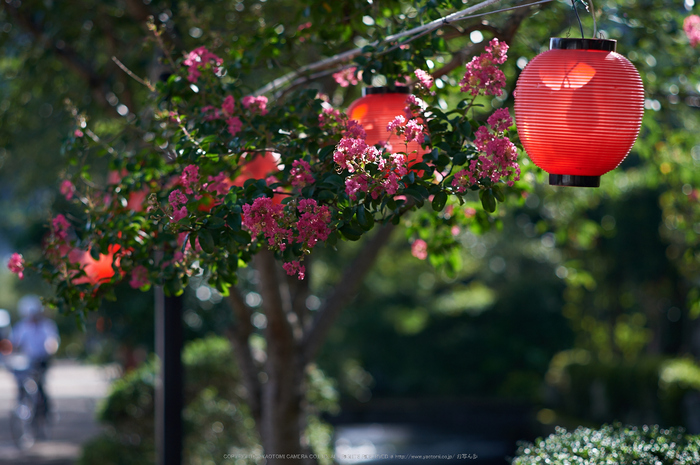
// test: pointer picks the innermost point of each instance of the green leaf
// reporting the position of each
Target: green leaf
(365, 218)
(214, 222)
(498, 193)
(206, 241)
(439, 201)
(488, 200)
(242, 237)
(351, 233)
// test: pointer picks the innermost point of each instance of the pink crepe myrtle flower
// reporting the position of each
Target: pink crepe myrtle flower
(234, 125)
(60, 227)
(691, 26)
(78, 133)
(197, 60)
(425, 79)
(313, 223)
(265, 217)
(189, 177)
(346, 77)
(500, 120)
(255, 104)
(228, 106)
(498, 50)
(177, 198)
(355, 130)
(210, 113)
(295, 268)
(396, 125)
(330, 116)
(348, 152)
(419, 249)
(179, 214)
(355, 184)
(16, 265)
(413, 131)
(482, 76)
(67, 189)
(499, 157)
(219, 184)
(301, 174)
(139, 277)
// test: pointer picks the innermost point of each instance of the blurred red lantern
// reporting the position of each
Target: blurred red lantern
(578, 109)
(254, 166)
(376, 109)
(257, 166)
(96, 271)
(136, 200)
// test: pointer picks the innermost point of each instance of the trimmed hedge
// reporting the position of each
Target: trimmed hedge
(616, 444)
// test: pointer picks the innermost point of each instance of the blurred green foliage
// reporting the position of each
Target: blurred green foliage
(216, 419)
(613, 444)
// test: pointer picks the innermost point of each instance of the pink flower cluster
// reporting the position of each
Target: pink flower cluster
(414, 106)
(255, 104)
(482, 76)
(419, 249)
(295, 268)
(313, 222)
(228, 106)
(309, 227)
(177, 201)
(219, 184)
(189, 177)
(499, 158)
(411, 131)
(67, 189)
(16, 265)
(346, 77)
(197, 60)
(691, 26)
(330, 117)
(425, 79)
(301, 174)
(266, 217)
(58, 245)
(386, 181)
(139, 277)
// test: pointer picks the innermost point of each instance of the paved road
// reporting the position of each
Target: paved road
(75, 391)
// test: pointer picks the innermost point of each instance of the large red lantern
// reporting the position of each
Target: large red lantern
(578, 109)
(376, 109)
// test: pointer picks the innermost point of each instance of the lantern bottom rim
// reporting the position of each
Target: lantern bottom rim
(574, 180)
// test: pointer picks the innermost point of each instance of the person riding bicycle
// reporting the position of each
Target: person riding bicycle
(36, 336)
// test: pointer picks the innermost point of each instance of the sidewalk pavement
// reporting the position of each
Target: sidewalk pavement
(74, 390)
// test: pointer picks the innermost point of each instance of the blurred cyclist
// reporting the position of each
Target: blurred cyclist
(36, 337)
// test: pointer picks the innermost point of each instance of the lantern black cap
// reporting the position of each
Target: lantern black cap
(385, 90)
(568, 43)
(574, 181)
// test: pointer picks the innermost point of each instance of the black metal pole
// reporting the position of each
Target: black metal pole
(169, 383)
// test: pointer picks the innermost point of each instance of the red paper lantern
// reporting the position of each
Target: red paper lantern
(578, 109)
(376, 109)
(96, 271)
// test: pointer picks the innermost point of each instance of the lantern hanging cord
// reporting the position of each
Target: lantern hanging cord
(573, 5)
(595, 27)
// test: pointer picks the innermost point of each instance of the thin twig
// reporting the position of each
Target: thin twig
(132, 75)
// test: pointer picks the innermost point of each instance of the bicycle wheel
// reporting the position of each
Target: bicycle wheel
(21, 419)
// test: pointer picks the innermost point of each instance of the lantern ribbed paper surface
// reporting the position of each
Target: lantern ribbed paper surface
(578, 109)
(376, 109)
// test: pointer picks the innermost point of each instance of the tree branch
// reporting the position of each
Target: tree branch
(239, 335)
(350, 54)
(344, 291)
